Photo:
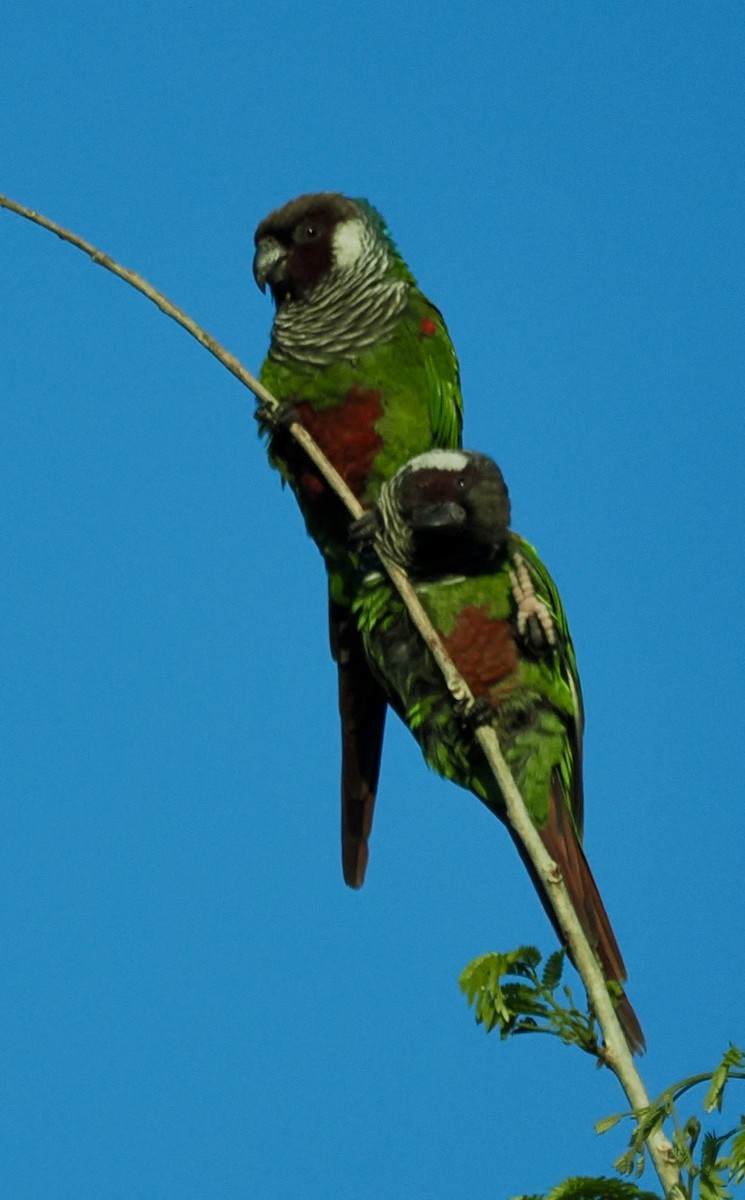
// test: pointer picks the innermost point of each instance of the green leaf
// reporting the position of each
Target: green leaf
(682, 1150)
(472, 975)
(624, 1164)
(710, 1149)
(651, 1119)
(692, 1130)
(737, 1154)
(732, 1060)
(711, 1182)
(712, 1186)
(734, 1057)
(609, 1122)
(713, 1098)
(530, 955)
(553, 970)
(585, 1187)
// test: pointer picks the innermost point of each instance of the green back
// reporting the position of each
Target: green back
(537, 707)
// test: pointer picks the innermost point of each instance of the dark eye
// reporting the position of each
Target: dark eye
(307, 231)
(460, 482)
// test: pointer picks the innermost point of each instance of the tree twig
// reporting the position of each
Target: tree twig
(617, 1054)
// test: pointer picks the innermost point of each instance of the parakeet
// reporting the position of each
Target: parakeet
(364, 361)
(444, 518)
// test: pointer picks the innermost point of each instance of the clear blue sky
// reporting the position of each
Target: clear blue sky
(192, 1005)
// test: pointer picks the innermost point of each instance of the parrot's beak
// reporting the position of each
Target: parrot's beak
(269, 266)
(447, 515)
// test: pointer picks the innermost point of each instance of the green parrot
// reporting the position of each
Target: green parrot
(444, 518)
(364, 361)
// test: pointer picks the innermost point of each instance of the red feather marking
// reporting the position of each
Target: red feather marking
(362, 707)
(347, 435)
(428, 327)
(561, 842)
(482, 649)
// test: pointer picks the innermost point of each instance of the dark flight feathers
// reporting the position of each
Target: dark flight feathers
(560, 840)
(362, 706)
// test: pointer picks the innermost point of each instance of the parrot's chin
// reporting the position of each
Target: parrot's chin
(282, 293)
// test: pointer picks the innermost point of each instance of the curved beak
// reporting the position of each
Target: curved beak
(447, 515)
(268, 264)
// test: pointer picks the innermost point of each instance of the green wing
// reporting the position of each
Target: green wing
(443, 382)
(562, 684)
(416, 371)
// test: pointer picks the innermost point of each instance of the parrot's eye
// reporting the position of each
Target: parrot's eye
(308, 231)
(460, 482)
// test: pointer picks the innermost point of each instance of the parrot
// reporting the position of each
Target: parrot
(444, 518)
(363, 360)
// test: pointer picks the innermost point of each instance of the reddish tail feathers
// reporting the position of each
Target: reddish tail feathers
(560, 839)
(362, 707)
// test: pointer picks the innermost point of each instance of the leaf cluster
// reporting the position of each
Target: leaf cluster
(509, 992)
(586, 1187)
(710, 1163)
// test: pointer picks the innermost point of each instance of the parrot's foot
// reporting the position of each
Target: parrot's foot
(273, 417)
(534, 621)
(474, 714)
(362, 535)
(365, 529)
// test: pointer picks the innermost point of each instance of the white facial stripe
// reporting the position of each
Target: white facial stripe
(348, 241)
(440, 460)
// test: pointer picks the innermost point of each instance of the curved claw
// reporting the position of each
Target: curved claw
(365, 529)
(474, 714)
(362, 534)
(534, 622)
(272, 417)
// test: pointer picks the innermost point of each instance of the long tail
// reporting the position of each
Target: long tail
(560, 839)
(362, 708)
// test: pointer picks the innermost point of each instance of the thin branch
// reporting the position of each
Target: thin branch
(205, 339)
(617, 1054)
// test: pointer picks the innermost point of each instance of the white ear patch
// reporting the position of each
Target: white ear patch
(440, 460)
(348, 242)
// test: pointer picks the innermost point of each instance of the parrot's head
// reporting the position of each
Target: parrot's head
(445, 511)
(314, 238)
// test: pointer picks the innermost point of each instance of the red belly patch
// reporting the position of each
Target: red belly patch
(482, 649)
(346, 433)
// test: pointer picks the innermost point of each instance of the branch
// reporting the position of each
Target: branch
(617, 1055)
(205, 339)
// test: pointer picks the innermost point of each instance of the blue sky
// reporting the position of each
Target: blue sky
(191, 1002)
